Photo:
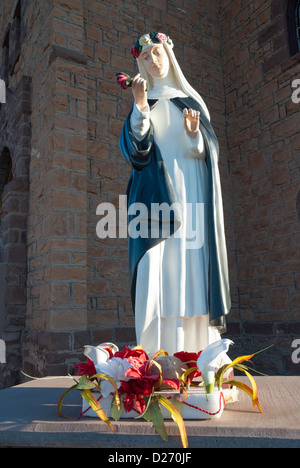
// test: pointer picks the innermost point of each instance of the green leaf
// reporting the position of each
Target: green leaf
(146, 415)
(85, 384)
(155, 415)
(116, 409)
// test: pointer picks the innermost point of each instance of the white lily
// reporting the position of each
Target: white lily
(99, 354)
(116, 369)
(210, 359)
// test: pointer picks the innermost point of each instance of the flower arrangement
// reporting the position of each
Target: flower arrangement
(136, 381)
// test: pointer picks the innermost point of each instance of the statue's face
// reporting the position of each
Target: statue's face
(155, 60)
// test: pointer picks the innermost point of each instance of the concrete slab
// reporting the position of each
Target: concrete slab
(28, 418)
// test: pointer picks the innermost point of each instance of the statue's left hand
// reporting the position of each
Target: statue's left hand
(191, 122)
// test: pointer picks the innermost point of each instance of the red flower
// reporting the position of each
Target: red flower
(186, 358)
(124, 80)
(140, 367)
(133, 401)
(135, 52)
(128, 401)
(142, 386)
(173, 383)
(87, 368)
(135, 352)
(136, 390)
(141, 382)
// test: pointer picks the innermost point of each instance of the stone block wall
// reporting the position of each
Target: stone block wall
(74, 286)
(15, 150)
(262, 127)
(57, 222)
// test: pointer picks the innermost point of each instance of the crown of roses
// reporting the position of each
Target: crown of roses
(149, 39)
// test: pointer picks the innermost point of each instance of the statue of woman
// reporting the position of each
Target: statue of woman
(179, 286)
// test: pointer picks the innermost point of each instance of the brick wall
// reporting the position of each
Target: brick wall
(15, 120)
(57, 245)
(15, 137)
(235, 54)
(262, 125)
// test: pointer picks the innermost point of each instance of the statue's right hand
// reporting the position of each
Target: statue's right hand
(139, 87)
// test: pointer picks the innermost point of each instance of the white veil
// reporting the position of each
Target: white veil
(181, 82)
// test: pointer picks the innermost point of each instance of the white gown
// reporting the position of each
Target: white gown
(171, 308)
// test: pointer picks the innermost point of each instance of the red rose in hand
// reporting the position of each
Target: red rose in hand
(124, 80)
